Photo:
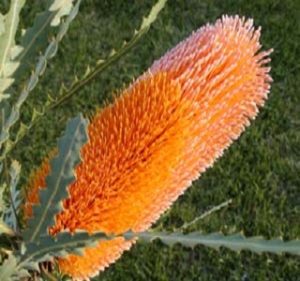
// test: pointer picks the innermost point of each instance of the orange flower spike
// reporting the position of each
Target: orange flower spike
(146, 148)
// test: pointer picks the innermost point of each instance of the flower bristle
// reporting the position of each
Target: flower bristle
(166, 129)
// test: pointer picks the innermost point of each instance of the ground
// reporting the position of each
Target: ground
(260, 172)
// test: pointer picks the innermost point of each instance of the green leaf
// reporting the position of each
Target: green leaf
(9, 270)
(62, 8)
(147, 21)
(8, 29)
(64, 243)
(101, 64)
(34, 78)
(235, 242)
(90, 74)
(35, 38)
(60, 177)
(10, 215)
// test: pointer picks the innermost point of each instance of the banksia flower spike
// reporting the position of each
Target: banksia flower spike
(159, 135)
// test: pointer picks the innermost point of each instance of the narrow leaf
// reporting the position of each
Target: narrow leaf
(235, 242)
(7, 39)
(35, 38)
(61, 245)
(8, 28)
(61, 176)
(63, 8)
(32, 82)
(147, 21)
(101, 65)
(10, 215)
(8, 269)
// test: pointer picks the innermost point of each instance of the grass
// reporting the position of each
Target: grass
(260, 172)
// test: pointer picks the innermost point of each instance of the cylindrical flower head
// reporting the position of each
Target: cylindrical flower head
(167, 128)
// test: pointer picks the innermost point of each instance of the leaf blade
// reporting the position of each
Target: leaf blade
(36, 37)
(234, 242)
(32, 82)
(64, 243)
(8, 28)
(60, 177)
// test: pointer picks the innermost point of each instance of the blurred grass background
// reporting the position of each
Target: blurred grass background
(260, 172)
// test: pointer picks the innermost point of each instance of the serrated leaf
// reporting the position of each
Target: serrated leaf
(8, 29)
(10, 215)
(34, 78)
(64, 243)
(8, 268)
(7, 40)
(114, 55)
(34, 40)
(235, 242)
(36, 37)
(32, 265)
(60, 177)
(63, 8)
(100, 66)
(8, 122)
(153, 14)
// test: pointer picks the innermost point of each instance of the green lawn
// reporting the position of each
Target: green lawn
(260, 172)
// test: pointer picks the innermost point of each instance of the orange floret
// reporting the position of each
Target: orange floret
(147, 147)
